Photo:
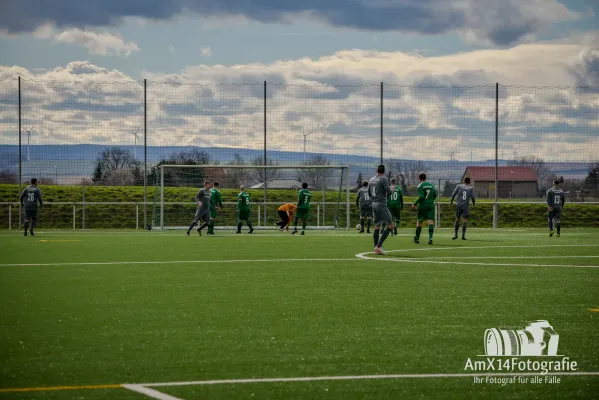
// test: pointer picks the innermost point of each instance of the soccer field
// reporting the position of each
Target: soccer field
(276, 316)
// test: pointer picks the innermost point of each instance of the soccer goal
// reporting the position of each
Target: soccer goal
(269, 187)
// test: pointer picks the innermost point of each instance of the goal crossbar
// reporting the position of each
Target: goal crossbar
(345, 175)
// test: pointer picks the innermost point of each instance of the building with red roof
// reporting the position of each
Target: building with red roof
(520, 182)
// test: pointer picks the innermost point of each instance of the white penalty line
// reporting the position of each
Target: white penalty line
(271, 260)
(155, 394)
(362, 377)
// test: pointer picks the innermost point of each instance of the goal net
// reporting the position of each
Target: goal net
(269, 187)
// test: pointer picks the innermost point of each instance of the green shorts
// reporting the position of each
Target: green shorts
(212, 211)
(426, 213)
(302, 213)
(395, 211)
(243, 215)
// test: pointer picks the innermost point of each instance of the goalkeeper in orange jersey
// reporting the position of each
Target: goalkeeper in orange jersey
(285, 212)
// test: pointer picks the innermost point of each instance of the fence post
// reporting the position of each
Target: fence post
(20, 161)
(318, 215)
(347, 199)
(74, 214)
(439, 206)
(10, 217)
(381, 122)
(161, 197)
(145, 155)
(265, 180)
(495, 206)
(83, 206)
(136, 215)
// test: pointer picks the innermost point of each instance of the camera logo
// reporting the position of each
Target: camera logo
(538, 338)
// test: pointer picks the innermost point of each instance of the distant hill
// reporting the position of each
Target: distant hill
(72, 162)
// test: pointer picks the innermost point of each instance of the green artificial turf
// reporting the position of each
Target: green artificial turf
(164, 307)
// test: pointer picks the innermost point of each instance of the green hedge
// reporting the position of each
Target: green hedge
(123, 216)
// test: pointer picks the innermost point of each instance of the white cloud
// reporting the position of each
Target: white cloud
(217, 111)
(206, 51)
(97, 43)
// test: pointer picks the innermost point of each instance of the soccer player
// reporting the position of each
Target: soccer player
(216, 204)
(29, 198)
(426, 208)
(203, 211)
(556, 199)
(285, 212)
(364, 201)
(243, 209)
(303, 208)
(464, 193)
(379, 190)
(395, 203)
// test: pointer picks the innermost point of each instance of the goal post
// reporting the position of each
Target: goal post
(269, 187)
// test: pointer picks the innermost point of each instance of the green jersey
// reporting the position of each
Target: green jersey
(215, 198)
(426, 194)
(304, 199)
(395, 198)
(243, 201)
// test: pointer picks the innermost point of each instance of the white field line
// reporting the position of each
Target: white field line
(427, 260)
(509, 257)
(363, 377)
(150, 392)
(179, 262)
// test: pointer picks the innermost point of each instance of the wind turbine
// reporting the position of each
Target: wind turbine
(308, 133)
(136, 137)
(29, 140)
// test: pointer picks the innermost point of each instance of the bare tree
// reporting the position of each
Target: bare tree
(236, 176)
(260, 175)
(185, 176)
(7, 176)
(411, 171)
(395, 171)
(116, 166)
(316, 177)
(545, 176)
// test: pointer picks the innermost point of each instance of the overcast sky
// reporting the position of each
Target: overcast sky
(310, 42)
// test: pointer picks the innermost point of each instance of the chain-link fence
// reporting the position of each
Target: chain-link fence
(512, 141)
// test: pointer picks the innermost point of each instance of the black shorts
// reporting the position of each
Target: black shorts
(555, 214)
(366, 212)
(30, 214)
(284, 217)
(462, 211)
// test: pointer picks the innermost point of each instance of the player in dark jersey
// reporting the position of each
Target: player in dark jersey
(243, 209)
(556, 199)
(379, 190)
(203, 211)
(426, 208)
(364, 202)
(30, 197)
(464, 193)
(303, 208)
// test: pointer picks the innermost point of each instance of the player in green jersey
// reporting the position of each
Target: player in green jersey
(243, 209)
(303, 208)
(395, 203)
(216, 204)
(426, 208)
